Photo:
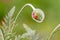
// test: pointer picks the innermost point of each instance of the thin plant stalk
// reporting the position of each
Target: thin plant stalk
(52, 33)
(23, 8)
(21, 11)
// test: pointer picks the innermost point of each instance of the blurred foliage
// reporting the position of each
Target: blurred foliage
(51, 9)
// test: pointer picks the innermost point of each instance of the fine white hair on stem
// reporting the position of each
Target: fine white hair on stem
(23, 8)
(21, 11)
(52, 33)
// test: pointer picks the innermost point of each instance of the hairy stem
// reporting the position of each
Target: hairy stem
(21, 11)
(52, 33)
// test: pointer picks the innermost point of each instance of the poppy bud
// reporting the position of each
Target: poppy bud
(38, 15)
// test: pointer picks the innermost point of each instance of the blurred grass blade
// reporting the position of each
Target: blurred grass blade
(17, 37)
(11, 12)
(31, 33)
(29, 30)
(25, 35)
(1, 35)
(8, 22)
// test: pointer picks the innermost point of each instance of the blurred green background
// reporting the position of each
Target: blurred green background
(51, 9)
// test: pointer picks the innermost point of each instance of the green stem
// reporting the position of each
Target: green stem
(21, 11)
(52, 33)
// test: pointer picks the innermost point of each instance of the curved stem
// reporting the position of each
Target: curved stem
(21, 11)
(52, 33)
(23, 8)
